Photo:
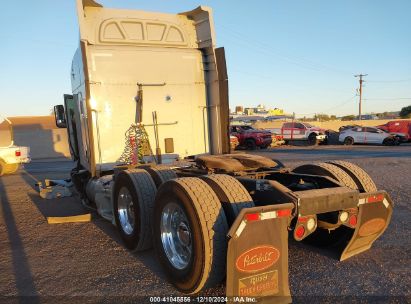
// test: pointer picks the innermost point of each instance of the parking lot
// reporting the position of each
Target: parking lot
(87, 262)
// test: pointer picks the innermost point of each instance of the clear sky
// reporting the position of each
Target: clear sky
(297, 55)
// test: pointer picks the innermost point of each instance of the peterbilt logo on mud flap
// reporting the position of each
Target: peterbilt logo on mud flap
(257, 259)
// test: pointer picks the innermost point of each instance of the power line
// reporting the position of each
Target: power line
(342, 104)
(387, 98)
(347, 101)
(268, 49)
(390, 81)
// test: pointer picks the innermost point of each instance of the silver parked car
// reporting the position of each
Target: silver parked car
(366, 135)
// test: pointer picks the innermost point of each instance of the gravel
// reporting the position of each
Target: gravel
(86, 262)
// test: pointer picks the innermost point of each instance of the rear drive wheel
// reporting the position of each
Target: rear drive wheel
(134, 193)
(250, 144)
(190, 234)
(341, 234)
(231, 193)
(161, 174)
(348, 141)
(329, 170)
(363, 181)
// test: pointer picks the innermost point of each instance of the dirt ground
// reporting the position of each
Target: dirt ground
(87, 262)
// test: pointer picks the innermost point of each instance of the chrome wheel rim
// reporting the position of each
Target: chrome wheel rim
(176, 236)
(126, 210)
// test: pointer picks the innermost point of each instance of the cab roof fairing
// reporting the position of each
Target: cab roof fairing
(92, 15)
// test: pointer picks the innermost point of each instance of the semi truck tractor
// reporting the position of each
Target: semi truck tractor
(148, 126)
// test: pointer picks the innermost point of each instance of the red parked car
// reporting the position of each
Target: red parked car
(398, 126)
(251, 138)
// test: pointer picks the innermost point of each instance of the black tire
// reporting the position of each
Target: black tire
(389, 141)
(208, 225)
(250, 144)
(348, 141)
(161, 174)
(142, 190)
(312, 139)
(231, 193)
(329, 170)
(361, 178)
(321, 236)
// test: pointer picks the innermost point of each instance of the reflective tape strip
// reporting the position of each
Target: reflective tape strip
(268, 215)
(385, 202)
(362, 201)
(240, 228)
(302, 219)
(376, 198)
(284, 213)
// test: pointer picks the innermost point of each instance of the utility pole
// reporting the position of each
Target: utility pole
(359, 105)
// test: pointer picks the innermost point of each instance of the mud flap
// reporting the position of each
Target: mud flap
(375, 210)
(257, 258)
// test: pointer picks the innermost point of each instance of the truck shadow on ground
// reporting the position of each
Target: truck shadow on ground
(332, 252)
(22, 273)
(69, 206)
(147, 257)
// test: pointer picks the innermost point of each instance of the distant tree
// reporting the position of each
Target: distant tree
(405, 112)
(333, 117)
(305, 118)
(322, 117)
(348, 117)
(382, 115)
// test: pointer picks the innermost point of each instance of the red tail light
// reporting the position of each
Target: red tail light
(353, 220)
(299, 231)
(17, 153)
(283, 212)
(252, 217)
(376, 198)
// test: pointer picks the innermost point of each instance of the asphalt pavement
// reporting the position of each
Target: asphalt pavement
(87, 262)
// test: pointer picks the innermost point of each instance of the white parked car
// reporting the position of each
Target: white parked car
(366, 135)
(12, 156)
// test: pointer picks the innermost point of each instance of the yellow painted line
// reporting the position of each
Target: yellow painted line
(69, 219)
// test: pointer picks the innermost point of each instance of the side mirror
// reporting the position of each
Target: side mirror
(60, 116)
